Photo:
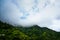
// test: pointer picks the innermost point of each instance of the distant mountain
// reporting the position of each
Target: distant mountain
(9, 32)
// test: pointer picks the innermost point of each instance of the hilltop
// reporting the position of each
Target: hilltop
(9, 32)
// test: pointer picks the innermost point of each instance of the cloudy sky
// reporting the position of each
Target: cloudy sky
(44, 13)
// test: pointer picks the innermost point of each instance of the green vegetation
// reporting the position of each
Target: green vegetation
(9, 32)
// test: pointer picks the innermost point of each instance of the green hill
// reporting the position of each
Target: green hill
(9, 32)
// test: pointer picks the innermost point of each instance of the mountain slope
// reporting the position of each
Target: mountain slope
(9, 32)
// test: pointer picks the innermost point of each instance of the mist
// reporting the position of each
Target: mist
(44, 13)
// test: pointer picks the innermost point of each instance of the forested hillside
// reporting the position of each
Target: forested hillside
(9, 32)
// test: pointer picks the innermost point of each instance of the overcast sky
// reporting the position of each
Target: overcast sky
(44, 13)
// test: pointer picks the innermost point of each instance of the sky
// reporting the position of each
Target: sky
(44, 13)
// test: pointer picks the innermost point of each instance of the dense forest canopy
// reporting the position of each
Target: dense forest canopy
(9, 32)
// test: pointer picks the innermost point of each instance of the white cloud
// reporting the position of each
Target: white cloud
(55, 25)
(27, 12)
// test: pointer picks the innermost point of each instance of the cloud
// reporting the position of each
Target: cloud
(55, 25)
(44, 13)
